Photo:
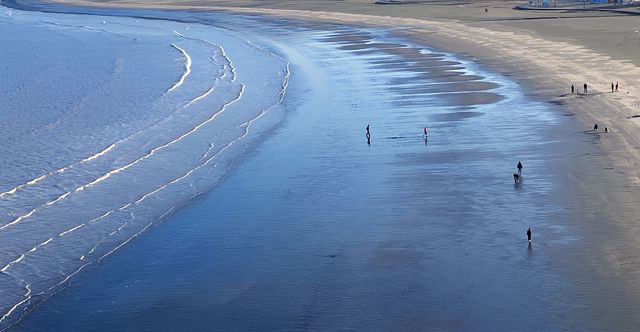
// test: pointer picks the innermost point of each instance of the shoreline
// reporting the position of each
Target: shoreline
(377, 240)
(526, 73)
(520, 54)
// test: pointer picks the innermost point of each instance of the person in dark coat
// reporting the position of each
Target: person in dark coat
(519, 167)
(529, 234)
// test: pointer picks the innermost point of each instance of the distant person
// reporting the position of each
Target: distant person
(529, 234)
(585, 87)
(573, 89)
(368, 135)
(519, 167)
(606, 130)
(426, 132)
(595, 127)
(516, 178)
(486, 10)
(616, 86)
(612, 87)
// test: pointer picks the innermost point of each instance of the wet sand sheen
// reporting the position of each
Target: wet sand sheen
(456, 289)
(336, 233)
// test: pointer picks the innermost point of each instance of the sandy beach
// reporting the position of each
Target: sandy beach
(583, 194)
(546, 50)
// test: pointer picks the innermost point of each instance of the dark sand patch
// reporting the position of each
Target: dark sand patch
(451, 99)
(347, 38)
(453, 116)
(455, 77)
(378, 46)
(446, 87)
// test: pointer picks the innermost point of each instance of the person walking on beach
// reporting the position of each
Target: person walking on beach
(616, 86)
(519, 168)
(595, 127)
(426, 132)
(572, 89)
(529, 234)
(585, 87)
(368, 135)
(612, 87)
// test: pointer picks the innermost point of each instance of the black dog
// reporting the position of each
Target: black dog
(516, 178)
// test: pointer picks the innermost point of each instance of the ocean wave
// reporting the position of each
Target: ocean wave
(246, 126)
(99, 154)
(232, 70)
(202, 96)
(112, 172)
(228, 69)
(105, 232)
(187, 68)
(27, 297)
(96, 156)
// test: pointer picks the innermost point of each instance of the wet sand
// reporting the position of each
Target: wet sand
(324, 231)
(587, 270)
(545, 50)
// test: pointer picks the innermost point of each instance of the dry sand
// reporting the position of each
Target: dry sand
(546, 51)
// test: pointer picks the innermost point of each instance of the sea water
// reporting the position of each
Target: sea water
(110, 124)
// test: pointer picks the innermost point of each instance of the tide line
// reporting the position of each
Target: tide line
(122, 168)
(136, 234)
(27, 297)
(23, 256)
(187, 66)
(59, 171)
(222, 51)
(196, 99)
(15, 261)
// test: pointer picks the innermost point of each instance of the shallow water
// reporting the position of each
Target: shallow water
(113, 124)
(315, 228)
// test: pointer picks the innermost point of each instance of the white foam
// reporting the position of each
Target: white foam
(71, 230)
(10, 264)
(201, 165)
(100, 217)
(27, 297)
(59, 171)
(222, 51)
(224, 54)
(200, 97)
(134, 235)
(45, 242)
(59, 198)
(187, 66)
(21, 257)
(281, 94)
(19, 219)
(99, 154)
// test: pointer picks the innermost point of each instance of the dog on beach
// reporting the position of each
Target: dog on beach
(516, 177)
